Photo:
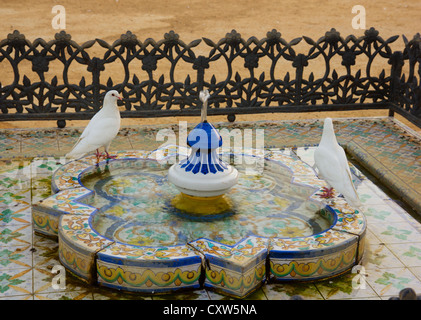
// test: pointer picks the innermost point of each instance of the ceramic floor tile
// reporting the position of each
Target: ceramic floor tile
(399, 232)
(18, 297)
(278, 291)
(17, 179)
(371, 239)
(367, 186)
(10, 144)
(66, 139)
(42, 241)
(46, 278)
(259, 294)
(369, 197)
(153, 133)
(217, 296)
(417, 272)
(13, 167)
(13, 197)
(15, 214)
(66, 295)
(14, 182)
(46, 166)
(39, 143)
(299, 134)
(412, 218)
(42, 182)
(45, 254)
(379, 256)
(47, 267)
(145, 141)
(15, 282)
(18, 257)
(389, 282)
(16, 235)
(409, 254)
(40, 194)
(348, 286)
(379, 213)
(121, 142)
(306, 155)
(365, 298)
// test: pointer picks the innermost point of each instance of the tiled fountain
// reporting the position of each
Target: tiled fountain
(131, 223)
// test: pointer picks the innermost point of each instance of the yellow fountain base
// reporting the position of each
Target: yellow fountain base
(201, 205)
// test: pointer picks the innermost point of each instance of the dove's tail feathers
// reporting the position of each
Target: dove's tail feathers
(353, 199)
(78, 151)
(354, 202)
(74, 155)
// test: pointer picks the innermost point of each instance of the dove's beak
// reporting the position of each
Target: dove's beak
(120, 98)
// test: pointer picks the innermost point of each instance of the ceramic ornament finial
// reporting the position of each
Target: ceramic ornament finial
(204, 96)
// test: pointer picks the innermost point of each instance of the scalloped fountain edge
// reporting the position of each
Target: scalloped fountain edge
(235, 270)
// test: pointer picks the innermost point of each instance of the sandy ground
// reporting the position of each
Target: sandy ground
(193, 19)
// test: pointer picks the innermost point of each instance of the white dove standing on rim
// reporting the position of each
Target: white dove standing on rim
(101, 130)
(332, 165)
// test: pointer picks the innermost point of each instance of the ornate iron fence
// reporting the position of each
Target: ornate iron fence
(242, 86)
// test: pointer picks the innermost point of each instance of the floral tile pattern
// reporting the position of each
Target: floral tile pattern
(389, 281)
(10, 143)
(18, 257)
(15, 281)
(399, 232)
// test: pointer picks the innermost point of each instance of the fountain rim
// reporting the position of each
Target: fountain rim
(90, 168)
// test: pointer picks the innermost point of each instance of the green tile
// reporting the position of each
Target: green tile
(348, 286)
(388, 282)
(284, 291)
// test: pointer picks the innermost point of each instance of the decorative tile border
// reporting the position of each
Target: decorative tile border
(234, 270)
(325, 256)
(146, 269)
(46, 213)
(78, 245)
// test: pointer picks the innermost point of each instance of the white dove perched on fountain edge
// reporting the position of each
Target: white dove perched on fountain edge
(332, 165)
(101, 129)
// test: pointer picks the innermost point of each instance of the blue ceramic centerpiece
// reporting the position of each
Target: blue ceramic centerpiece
(203, 178)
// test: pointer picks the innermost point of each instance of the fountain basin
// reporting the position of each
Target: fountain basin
(231, 252)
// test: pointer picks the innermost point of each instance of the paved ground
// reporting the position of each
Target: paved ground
(390, 151)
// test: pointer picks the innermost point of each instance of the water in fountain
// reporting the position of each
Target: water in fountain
(134, 197)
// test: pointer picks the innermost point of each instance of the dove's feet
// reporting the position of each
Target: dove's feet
(327, 193)
(98, 157)
(107, 156)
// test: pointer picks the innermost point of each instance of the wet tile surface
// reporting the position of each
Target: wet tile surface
(393, 243)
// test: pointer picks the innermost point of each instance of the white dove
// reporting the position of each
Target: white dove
(332, 165)
(101, 130)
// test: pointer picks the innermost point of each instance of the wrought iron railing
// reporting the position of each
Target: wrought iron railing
(252, 76)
